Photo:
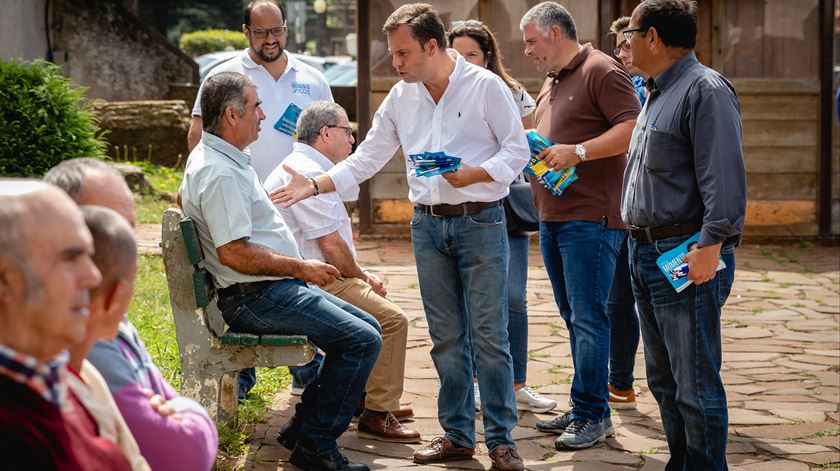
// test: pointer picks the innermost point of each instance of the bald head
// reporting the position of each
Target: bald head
(94, 182)
(46, 271)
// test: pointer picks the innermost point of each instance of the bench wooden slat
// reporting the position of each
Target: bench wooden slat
(203, 287)
(190, 235)
(238, 338)
(283, 340)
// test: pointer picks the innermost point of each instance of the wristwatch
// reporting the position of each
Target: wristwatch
(580, 152)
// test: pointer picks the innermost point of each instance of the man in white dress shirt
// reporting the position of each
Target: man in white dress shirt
(444, 104)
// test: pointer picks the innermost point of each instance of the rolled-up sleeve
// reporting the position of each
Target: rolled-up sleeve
(715, 124)
(504, 121)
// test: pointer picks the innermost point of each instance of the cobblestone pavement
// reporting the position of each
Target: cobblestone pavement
(781, 331)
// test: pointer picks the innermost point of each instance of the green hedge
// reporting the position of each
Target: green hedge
(44, 119)
(211, 40)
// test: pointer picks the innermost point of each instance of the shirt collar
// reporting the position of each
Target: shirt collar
(670, 74)
(291, 61)
(576, 61)
(226, 148)
(45, 378)
(313, 154)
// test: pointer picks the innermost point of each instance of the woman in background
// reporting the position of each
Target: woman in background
(473, 40)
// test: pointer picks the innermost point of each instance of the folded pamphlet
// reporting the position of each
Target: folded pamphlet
(673, 266)
(287, 123)
(429, 164)
(553, 180)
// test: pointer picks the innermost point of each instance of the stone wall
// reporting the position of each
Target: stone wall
(146, 130)
(103, 46)
(23, 33)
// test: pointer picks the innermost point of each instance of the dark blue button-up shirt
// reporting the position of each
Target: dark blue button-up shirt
(686, 163)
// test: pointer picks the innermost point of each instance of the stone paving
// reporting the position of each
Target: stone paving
(781, 331)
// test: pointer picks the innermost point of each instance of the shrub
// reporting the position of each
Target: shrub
(44, 119)
(212, 40)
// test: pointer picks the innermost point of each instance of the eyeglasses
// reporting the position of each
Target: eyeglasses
(628, 33)
(347, 129)
(263, 33)
(622, 46)
(466, 24)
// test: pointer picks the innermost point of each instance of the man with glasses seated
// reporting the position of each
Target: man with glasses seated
(283, 81)
(321, 227)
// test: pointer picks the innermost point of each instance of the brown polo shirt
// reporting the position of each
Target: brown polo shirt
(583, 100)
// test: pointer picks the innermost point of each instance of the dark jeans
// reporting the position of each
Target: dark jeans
(681, 332)
(624, 324)
(349, 337)
(580, 259)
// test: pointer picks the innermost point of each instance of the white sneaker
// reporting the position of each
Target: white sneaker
(477, 396)
(528, 399)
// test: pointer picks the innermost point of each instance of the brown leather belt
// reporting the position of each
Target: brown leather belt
(449, 210)
(654, 233)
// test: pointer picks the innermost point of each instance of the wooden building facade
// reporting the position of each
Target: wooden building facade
(781, 55)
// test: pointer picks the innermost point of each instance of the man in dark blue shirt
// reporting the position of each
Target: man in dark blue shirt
(686, 175)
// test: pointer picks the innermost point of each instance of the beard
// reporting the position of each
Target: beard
(265, 57)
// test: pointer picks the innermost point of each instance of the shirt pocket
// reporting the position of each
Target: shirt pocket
(662, 149)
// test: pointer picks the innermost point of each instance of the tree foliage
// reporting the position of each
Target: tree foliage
(44, 118)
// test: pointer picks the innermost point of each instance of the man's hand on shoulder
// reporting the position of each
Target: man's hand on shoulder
(299, 188)
(317, 272)
(703, 263)
(466, 175)
(559, 156)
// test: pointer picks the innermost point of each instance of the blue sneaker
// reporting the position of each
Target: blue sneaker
(559, 425)
(581, 433)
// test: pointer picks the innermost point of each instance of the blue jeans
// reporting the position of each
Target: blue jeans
(303, 376)
(580, 258)
(624, 324)
(350, 337)
(461, 266)
(681, 332)
(517, 306)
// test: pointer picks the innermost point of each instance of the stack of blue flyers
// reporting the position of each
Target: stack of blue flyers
(674, 267)
(555, 181)
(287, 124)
(428, 164)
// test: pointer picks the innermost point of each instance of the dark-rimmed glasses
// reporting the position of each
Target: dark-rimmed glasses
(263, 33)
(466, 24)
(628, 33)
(622, 46)
(347, 129)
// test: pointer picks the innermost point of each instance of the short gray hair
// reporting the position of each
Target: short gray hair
(69, 175)
(217, 93)
(547, 14)
(314, 117)
(115, 251)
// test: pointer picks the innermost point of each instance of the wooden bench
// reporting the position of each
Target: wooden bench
(211, 357)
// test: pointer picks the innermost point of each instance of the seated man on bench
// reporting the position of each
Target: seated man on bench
(263, 284)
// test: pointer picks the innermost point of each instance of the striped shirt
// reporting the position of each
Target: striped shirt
(45, 378)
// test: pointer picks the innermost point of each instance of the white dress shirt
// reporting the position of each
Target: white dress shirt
(476, 119)
(300, 84)
(313, 217)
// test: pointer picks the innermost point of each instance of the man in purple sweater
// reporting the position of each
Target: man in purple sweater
(173, 432)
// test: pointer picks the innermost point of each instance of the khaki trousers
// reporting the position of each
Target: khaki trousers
(385, 383)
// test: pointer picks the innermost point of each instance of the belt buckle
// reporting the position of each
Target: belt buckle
(432, 211)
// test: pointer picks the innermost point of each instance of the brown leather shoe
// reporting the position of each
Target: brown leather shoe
(506, 458)
(442, 449)
(403, 413)
(386, 429)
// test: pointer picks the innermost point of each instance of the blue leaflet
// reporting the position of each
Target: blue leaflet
(287, 123)
(555, 181)
(429, 164)
(674, 267)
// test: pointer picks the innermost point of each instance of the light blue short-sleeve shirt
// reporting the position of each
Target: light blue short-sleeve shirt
(224, 197)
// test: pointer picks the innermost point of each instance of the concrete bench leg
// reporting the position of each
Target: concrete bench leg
(228, 397)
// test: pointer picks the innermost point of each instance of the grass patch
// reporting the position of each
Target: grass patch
(151, 314)
(757, 310)
(161, 177)
(150, 207)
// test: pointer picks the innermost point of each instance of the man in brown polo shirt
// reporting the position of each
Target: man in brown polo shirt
(588, 107)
